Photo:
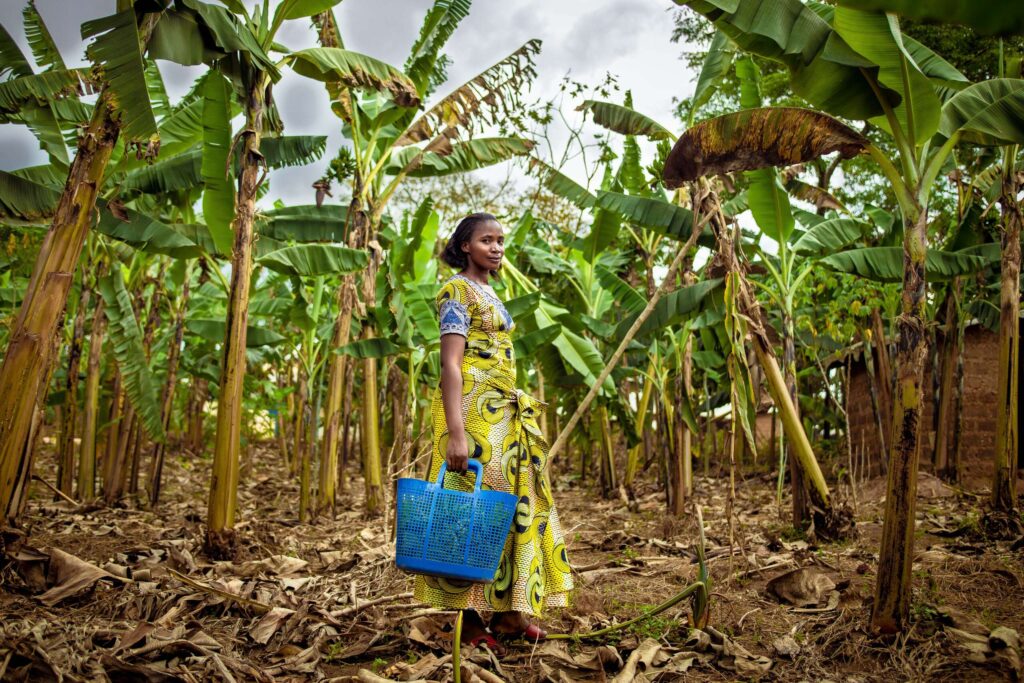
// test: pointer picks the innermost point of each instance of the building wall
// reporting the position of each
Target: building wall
(981, 349)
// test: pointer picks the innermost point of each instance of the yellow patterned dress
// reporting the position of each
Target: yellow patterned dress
(503, 434)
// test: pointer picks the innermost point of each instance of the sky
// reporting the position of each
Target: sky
(581, 38)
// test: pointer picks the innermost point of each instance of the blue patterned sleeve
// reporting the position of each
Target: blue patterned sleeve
(454, 318)
(453, 308)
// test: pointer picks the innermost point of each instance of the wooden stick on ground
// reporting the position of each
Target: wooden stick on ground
(55, 490)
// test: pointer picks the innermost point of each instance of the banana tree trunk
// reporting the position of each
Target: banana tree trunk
(876, 404)
(299, 420)
(892, 588)
(334, 420)
(69, 414)
(642, 419)
(347, 428)
(947, 372)
(114, 418)
(113, 486)
(281, 426)
(87, 459)
(683, 470)
(607, 451)
(370, 436)
(801, 508)
(221, 539)
(303, 432)
(156, 464)
(885, 373)
(1004, 481)
(199, 390)
(31, 350)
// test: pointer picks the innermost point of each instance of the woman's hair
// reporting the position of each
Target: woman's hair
(453, 254)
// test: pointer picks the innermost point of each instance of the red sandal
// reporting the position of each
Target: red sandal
(488, 640)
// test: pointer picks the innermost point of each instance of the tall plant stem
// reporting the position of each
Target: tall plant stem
(1004, 481)
(29, 359)
(87, 459)
(69, 414)
(156, 463)
(220, 521)
(892, 588)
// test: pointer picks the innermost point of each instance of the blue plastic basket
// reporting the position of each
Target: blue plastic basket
(452, 534)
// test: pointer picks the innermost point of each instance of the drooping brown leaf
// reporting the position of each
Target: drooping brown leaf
(756, 138)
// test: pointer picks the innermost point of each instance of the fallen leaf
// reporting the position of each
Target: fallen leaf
(803, 587)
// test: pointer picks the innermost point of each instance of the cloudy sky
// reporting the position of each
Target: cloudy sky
(581, 38)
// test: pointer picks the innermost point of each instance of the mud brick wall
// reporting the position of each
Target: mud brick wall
(981, 348)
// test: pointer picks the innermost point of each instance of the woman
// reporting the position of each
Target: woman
(478, 413)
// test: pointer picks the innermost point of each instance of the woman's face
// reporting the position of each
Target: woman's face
(486, 247)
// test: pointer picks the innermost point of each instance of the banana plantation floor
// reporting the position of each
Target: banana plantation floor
(125, 594)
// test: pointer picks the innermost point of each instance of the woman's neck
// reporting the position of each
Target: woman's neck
(477, 275)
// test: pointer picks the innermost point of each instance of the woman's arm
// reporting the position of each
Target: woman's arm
(453, 347)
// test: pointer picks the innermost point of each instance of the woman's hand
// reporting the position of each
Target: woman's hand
(457, 453)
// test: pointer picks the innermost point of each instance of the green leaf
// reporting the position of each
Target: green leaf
(822, 68)
(215, 331)
(49, 85)
(885, 264)
(714, 69)
(297, 9)
(43, 47)
(147, 234)
(672, 309)
(116, 52)
(305, 223)
(659, 215)
(464, 156)
(23, 202)
(624, 120)
(769, 204)
(625, 296)
(1005, 18)
(526, 345)
(311, 260)
(561, 184)
(603, 231)
(177, 38)
(356, 70)
(12, 59)
(228, 34)
(177, 173)
(438, 26)
(522, 305)
(877, 36)
(989, 113)
(375, 347)
(218, 191)
(291, 150)
(125, 339)
(830, 236)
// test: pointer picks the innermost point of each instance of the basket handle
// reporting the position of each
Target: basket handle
(474, 465)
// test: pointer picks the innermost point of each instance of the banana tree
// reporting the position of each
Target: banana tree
(872, 72)
(123, 107)
(390, 143)
(314, 262)
(237, 42)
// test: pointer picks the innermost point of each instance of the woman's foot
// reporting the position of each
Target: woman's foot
(516, 624)
(474, 633)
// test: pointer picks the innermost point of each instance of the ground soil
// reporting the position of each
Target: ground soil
(167, 612)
